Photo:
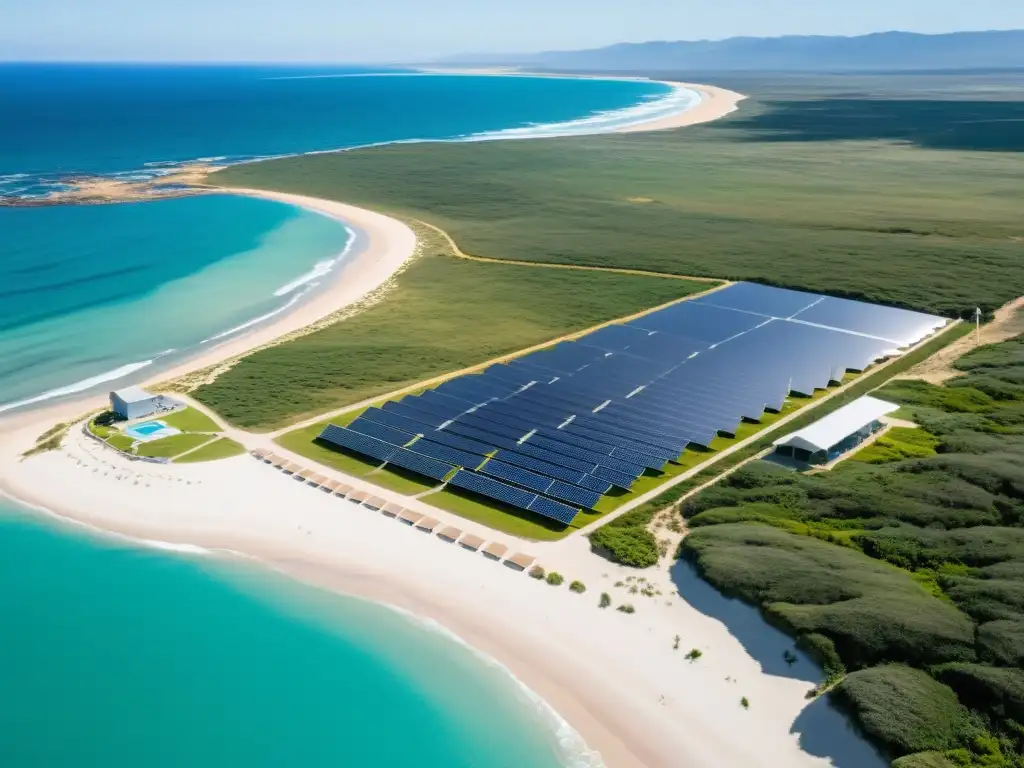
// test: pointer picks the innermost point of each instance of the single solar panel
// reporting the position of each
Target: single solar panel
(380, 431)
(573, 494)
(594, 484)
(446, 453)
(421, 465)
(353, 441)
(517, 475)
(396, 420)
(553, 509)
(491, 488)
(462, 443)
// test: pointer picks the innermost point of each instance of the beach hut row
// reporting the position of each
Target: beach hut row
(497, 551)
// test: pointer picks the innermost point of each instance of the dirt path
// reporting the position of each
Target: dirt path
(1007, 323)
(456, 251)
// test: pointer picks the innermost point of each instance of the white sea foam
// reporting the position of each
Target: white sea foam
(678, 99)
(79, 386)
(321, 268)
(262, 318)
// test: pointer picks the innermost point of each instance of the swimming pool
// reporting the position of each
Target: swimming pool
(150, 430)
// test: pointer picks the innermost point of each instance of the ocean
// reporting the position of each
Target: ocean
(118, 654)
(94, 297)
(122, 656)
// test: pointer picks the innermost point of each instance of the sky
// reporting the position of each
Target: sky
(413, 31)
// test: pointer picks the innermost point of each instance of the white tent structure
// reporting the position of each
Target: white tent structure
(135, 402)
(837, 433)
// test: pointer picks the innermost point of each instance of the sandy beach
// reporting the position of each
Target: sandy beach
(715, 103)
(617, 678)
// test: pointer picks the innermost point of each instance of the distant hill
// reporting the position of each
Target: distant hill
(876, 52)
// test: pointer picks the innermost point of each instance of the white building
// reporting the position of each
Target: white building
(135, 402)
(837, 433)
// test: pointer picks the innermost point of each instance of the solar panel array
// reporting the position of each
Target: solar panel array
(555, 430)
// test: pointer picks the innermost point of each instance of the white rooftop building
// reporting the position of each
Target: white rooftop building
(834, 435)
(135, 402)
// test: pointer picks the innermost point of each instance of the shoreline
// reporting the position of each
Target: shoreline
(645, 707)
(382, 246)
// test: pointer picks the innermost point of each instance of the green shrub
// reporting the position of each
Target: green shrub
(745, 702)
(537, 572)
(925, 760)
(578, 586)
(605, 600)
(870, 612)
(626, 608)
(626, 539)
(905, 710)
(555, 579)
(694, 654)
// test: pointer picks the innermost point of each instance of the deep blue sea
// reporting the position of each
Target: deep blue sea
(117, 655)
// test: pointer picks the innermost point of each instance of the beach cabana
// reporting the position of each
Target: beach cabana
(495, 551)
(273, 459)
(391, 509)
(428, 524)
(520, 561)
(330, 486)
(290, 467)
(301, 473)
(343, 490)
(471, 542)
(317, 480)
(258, 453)
(358, 497)
(450, 533)
(374, 503)
(410, 517)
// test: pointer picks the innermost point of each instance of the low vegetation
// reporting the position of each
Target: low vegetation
(626, 608)
(605, 600)
(169, 447)
(555, 579)
(578, 586)
(537, 573)
(50, 440)
(693, 654)
(755, 196)
(906, 571)
(627, 539)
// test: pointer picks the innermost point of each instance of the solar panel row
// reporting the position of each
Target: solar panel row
(516, 497)
(580, 417)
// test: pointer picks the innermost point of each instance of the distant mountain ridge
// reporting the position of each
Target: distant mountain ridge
(874, 52)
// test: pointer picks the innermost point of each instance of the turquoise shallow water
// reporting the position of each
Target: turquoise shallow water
(121, 657)
(91, 296)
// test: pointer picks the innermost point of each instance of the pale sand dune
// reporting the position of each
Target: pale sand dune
(614, 677)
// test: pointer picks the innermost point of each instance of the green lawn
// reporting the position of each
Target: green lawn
(169, 447)
(121, 442)
(223, 448)
(191, 420)
(445, 314)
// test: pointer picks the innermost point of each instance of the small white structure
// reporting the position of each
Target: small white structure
(135, 402)
(834, 435)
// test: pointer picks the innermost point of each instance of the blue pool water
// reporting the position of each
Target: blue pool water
(148, 427)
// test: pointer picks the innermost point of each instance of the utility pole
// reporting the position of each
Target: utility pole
(977, 325)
